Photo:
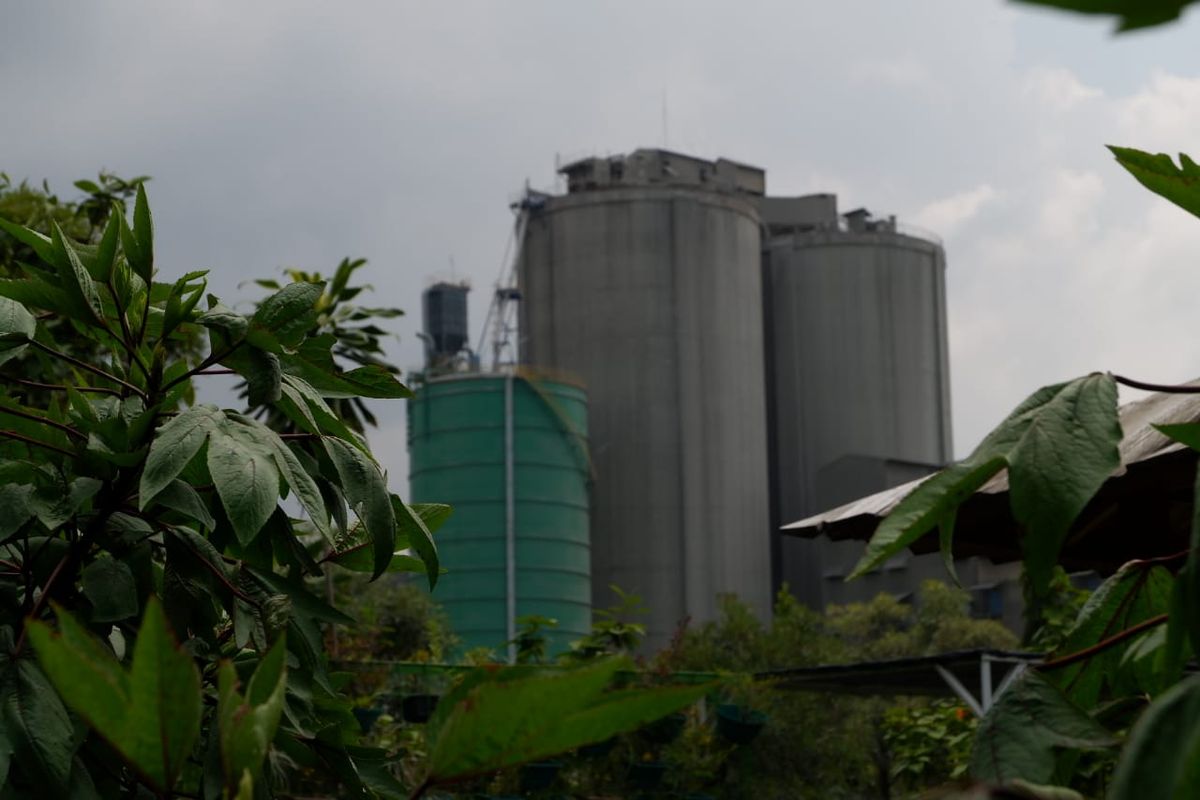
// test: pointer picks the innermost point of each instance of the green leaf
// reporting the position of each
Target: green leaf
(143, 232)
(261, 371)
(1070, 447)
(247, 723)
(109, 586)
(174, 445)
(1180, 185)
(313, 362)
(283, 319)
(1073, 424)
(494, 720)
(1134, 594)
(34, 716)
(1162, 757)
(1018, 736)
(36, 294)
(413, 529)
(246, 478)
(15, 507)
(180, 496)
(307, 409)
(232, 324)
(106, 251)
(37, 242)
(150, 714)
(1132, 14)
(75, 277)
(366, 491)
(290, 467)
(17, 326)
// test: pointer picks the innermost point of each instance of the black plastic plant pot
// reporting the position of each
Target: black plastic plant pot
(418, 707)
(598, 749)
(646, 774)
(739, 725)
(665, 730)
(539, 775)
(367, 717)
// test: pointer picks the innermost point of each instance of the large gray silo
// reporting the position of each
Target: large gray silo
(645, 281)
(858, 379)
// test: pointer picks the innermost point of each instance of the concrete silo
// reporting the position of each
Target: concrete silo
(645, 280)
(858, 379)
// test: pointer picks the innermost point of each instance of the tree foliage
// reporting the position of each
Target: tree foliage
(1117, 677)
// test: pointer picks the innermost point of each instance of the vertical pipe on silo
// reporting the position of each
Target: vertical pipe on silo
(510, 523)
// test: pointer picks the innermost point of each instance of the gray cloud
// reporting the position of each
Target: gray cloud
(296, 133)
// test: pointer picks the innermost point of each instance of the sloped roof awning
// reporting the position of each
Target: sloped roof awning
(1142, 511)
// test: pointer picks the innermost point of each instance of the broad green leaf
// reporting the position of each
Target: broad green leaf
(1073, 424)
(261, 370)
(180, 496)
(36, 294)
(1131, 14)
(33, 716)
(1162, 757)
(434, 515)
(230, 323)
(925, 507)
(246, 479)
(247, 723)
(76, 278)
(150, 714)
(1059, 463)
(313, 362)
(143, 232)
(106, 251)
(1134, 594)
(17, 326)
(308, 409)
(15, 508)
(290, 467)
(37, 242)
(366, 491)
(1180, 185)
(175, 444)
(283, 319)
(109, 586)
(412, 528)
(1019, 736)
(494, 720)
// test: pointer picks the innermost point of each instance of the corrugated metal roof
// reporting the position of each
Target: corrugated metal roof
(1145, 491)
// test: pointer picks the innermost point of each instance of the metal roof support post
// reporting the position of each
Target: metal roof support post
(963, 693)
(510, 522)
(1017, 671)
(985, 683)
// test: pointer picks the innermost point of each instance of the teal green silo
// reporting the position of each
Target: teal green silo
(509, 453)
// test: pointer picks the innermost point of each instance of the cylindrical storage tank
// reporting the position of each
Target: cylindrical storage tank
(860, 389)
(510, 454)
(653, 295)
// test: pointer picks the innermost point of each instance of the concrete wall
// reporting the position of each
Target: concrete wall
(857, 367)
(653, 297)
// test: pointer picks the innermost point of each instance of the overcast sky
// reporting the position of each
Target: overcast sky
(294, 133)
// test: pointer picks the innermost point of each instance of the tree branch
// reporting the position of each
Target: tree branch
(1117, 638)
(55, 387)
(89, 367)
(212, 358)
(7, 434)
(1155, 387)
(67, 429)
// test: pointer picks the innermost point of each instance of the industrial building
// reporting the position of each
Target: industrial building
(508, 450)
(751, 360)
